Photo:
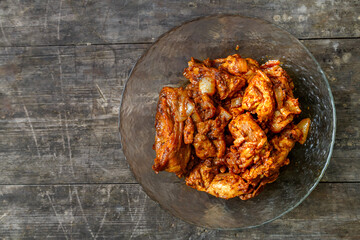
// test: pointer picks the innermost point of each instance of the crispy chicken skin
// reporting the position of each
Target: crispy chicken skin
(231, 129)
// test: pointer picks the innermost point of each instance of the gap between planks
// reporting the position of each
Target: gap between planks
(133, 183)
(145, 43)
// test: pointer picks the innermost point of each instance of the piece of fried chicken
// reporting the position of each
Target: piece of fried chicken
(172, 154)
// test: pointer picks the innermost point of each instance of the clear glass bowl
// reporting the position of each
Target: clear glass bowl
(214, 37)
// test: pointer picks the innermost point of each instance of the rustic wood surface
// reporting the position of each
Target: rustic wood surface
(63, 65)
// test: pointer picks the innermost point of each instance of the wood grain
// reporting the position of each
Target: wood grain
(60, 111)
(63, 65)
(64, 22)
(124, 211)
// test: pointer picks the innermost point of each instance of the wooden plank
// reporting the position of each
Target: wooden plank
(54, 22)
(60, 114)
(124, 211)
(67, 99)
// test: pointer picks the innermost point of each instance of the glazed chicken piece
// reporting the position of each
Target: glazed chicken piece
(226, 84)
(247, 133)
(234, 64)
(189, 131)
(210, 140)
(201, 176)
(286, 105)
(267, 171)
(172, 154)
(281, 146)
(197, 70)
(227, 185)
(258, 97)
(223, 185)
(253, 66)
(234, 104)
(273, 70)
(250, 142)
(205, 106)
(214, 131)
(214, 128)
(255, 190)
(282, 83)
(204, 148)
(284, 115)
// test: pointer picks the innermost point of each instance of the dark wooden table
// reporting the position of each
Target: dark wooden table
(63, 65)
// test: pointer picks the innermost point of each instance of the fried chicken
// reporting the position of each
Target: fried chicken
(231, 129)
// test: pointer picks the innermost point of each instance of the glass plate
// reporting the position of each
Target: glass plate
(215, 37)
